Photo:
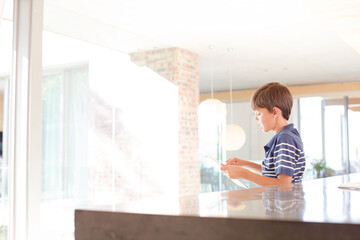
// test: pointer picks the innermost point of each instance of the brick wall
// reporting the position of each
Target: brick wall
(181, 67)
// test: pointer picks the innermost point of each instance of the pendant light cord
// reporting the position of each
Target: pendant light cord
(211, 47)
(231, 97)
(212, 84)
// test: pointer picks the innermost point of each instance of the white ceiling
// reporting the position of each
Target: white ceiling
(291, 41)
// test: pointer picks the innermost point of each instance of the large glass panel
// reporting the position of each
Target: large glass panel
(6, 36)
(110, 127)
(311, 132)
(212, 122)
(51, 150)
(354, 143)
(213, 116)
(335, 144)
(323, 128)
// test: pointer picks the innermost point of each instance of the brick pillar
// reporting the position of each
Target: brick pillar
(181, 67)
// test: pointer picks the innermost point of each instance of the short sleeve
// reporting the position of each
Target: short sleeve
(285, 155)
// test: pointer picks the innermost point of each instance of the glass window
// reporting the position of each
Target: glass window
(108, 135)
(212, 134)
(212, 123)
(311, 131)
(354, 133)
(4, 164)
(334, 138)
(6, 36)
(65, 121)
(324, 133)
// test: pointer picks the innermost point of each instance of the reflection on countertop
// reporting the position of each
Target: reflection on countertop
(315, 209)
(317, 200)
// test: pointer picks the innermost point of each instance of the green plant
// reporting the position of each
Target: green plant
(320, 165)
(3, 232)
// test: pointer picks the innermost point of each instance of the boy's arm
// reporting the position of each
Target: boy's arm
(240, 172)
(244, 163)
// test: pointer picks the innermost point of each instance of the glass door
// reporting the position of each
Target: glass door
(334, 134)
(330, 132)
(354, 133)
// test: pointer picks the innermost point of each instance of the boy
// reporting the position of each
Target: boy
(284, 160)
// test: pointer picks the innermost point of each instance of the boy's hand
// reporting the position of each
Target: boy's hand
(232, 171)
(233, 161)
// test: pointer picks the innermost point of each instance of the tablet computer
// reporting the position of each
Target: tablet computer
(238, 182)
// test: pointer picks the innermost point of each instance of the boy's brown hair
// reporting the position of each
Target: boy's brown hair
(273, 95)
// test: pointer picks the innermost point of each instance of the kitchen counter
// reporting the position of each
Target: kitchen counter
(314, 209)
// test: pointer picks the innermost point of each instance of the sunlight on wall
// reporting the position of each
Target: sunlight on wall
(129, 149)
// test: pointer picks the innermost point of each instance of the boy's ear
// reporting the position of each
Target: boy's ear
(276, 111)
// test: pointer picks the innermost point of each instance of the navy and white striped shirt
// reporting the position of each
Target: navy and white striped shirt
(284, 154)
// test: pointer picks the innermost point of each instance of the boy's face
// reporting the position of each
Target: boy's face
(265, 119)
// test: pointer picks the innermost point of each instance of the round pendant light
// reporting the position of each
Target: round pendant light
(235, 137)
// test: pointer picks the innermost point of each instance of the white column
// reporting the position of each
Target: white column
(25, 121)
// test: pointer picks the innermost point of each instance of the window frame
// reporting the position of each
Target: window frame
(24, 121)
